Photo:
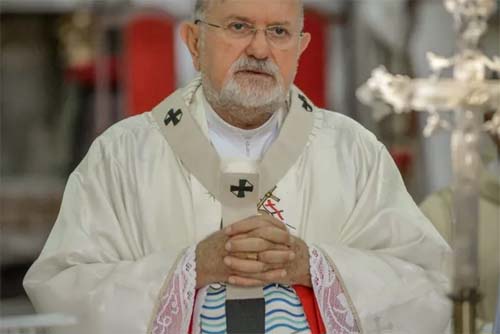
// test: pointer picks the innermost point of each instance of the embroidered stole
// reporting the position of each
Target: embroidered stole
(237, 184)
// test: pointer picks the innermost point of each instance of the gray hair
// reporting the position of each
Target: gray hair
(201, 8)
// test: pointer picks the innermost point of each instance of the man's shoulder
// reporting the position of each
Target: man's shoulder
(132, 127)
(344, 128)
(122, 138)
(135, 131)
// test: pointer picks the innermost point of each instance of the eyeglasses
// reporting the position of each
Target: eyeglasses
(278, 36)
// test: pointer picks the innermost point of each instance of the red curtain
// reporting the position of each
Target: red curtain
(149, 61)
(312, 75)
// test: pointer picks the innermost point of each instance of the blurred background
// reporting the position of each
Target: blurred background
(71, 68)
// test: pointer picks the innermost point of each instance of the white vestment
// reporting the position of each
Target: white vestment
(121, 254)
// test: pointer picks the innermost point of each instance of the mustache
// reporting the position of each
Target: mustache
(256, 65)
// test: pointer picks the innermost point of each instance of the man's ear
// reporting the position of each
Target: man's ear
(304, 42)
(190, 34)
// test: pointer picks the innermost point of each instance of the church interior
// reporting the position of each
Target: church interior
(71, 68)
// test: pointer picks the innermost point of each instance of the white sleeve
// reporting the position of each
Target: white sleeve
(94, 265)
(391, 261)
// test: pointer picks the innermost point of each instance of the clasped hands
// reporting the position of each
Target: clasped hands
(253, 252)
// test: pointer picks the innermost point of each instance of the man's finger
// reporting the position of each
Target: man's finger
(245, 266)
(243, 255)
(273, 234)
(240, 236)
(250, 224)
(243, 226)
(273, 247)
(280, 247)
(248, 245)
(270, 257)
(270, 219)
(276, 257)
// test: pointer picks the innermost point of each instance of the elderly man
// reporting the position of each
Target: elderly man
(238, 206)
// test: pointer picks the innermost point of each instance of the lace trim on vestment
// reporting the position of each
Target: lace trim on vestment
(177, 299)
(336, 310)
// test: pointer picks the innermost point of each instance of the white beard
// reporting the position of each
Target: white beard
(247, 97)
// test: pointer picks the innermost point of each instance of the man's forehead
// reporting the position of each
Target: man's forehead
(222, 2)
(235, 4)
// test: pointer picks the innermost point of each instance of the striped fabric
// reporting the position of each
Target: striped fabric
(284, 313)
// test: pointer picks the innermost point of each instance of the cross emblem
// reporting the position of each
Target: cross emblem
(305, 104)
(273, 210)
(267, 196)
(173, 117)
(239, 190)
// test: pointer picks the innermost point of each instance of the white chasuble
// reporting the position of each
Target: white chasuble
(121, 254)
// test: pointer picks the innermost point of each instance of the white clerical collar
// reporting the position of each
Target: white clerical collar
(218, 124)
(233, 142)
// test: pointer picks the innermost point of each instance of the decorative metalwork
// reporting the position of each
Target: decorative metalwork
(466, 96)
